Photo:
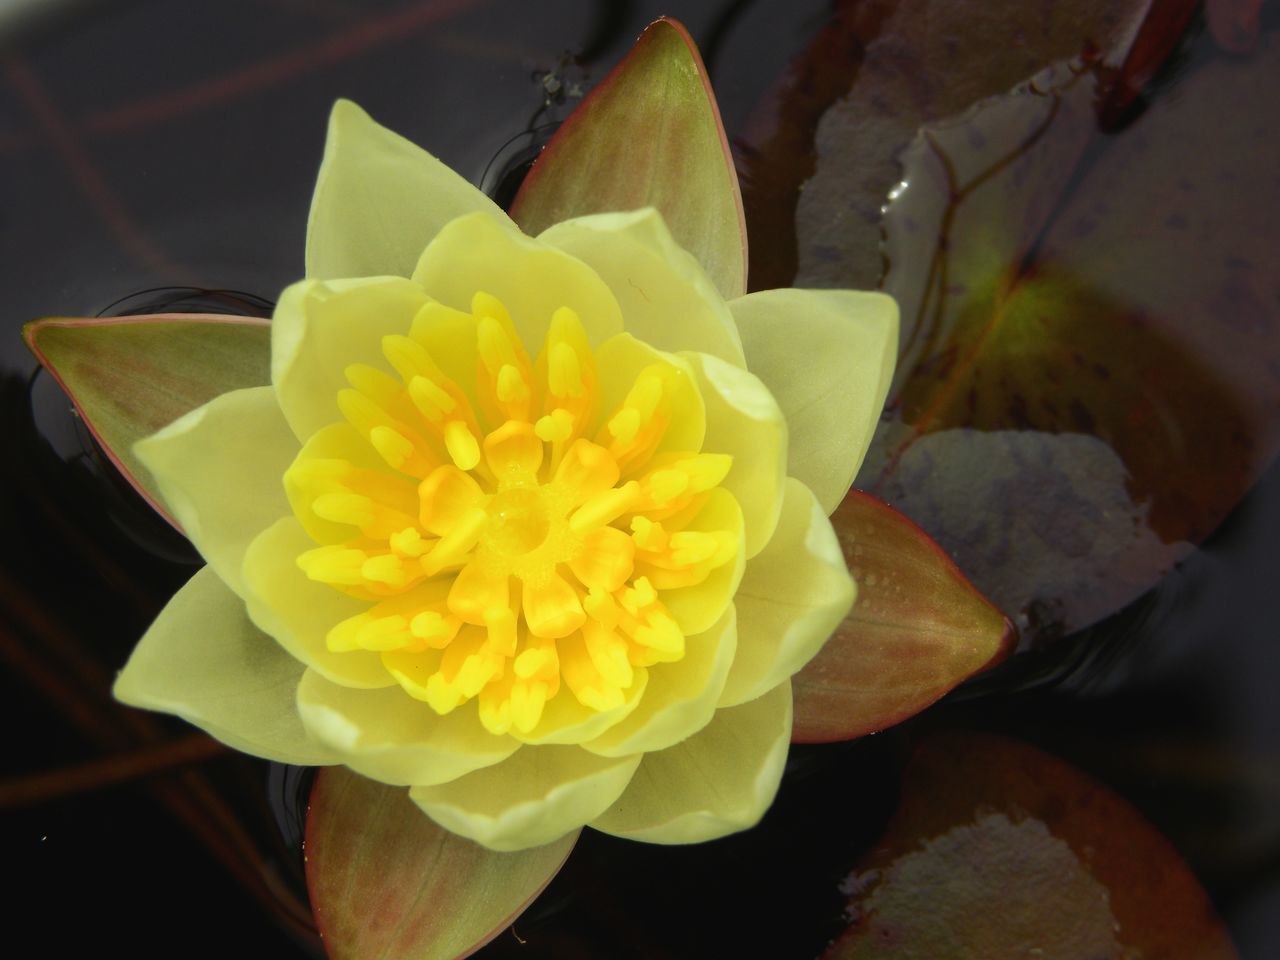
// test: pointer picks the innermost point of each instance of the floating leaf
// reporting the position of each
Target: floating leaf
(917, 630)
(130, 376)
(1000, 850)
(648, 135)
(1059, 284)
(920, 61)
(386, 881)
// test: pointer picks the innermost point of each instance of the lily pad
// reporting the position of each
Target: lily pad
(917, 630)
(914, 62)
(1000, 850)
(648, 135)
(130, 376)
(1058, 283)
(386, 881)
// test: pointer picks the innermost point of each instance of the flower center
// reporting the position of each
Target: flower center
(517, 522)
(510, 532)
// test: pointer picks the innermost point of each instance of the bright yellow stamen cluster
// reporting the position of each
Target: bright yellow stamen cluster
(510, 535)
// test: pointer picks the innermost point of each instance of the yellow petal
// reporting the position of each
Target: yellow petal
(447, 496)
(321, 328)
(476, 591)
(566, 720)
(793, 595)
(478, 254)
(449, 336)
(219, 470)
(827, 356)
(667, 299)
(379, 200)
(334, 443)
(513, 450)
(299, 612)
(391, 737)
(719, 781)
(681, 697)
(622, 359)
(204, 661)
(551, 606)
(535, 796)
(696, 607)
(606, 559)
(744, 420)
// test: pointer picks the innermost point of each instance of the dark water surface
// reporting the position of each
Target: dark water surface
(171, 148)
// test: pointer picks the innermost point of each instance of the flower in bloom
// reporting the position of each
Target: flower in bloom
(533, 526)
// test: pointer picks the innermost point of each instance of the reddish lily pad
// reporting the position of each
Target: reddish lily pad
(1091, 335)
(918, 629)
(648, 135)
(386, 881)
(1160, 33)
(130, 376)
(1000, 850)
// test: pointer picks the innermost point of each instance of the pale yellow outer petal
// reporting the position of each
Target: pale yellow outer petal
(719, 781)
(744, 420)
(478, 254)
(681, 698)
(320, 328)
(379, 200)
(219, 470)
(205, 662)
(793, 595)
(667, 299)
(537, 795)
(299, 612)
(388, 736)
(828, 357)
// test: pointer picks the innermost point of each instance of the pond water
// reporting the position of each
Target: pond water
(161, 155)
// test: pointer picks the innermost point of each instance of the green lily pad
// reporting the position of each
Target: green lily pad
(1091, 335)
(649, 135)
(130, 376)
(917, 630)
(386, 881)
(1000, 850)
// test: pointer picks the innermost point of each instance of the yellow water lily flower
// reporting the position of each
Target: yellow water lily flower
(533, 526)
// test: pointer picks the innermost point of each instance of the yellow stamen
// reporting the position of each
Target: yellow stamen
(464, 449)
(500, 551)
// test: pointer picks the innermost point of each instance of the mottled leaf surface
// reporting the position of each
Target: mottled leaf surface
(649, 135)
(919, 62)
(918, 629)
(387, 882)
(1059, 283)
(130, 376)
(1001, 850)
